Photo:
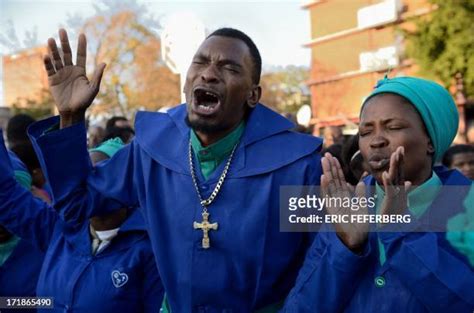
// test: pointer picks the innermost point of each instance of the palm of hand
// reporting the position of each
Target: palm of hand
(71, 89)
(334, 185)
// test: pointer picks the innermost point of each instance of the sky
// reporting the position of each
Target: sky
(278, 27)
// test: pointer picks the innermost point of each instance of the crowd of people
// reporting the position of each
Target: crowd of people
(181, 213)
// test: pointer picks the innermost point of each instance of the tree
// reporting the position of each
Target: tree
(284, 89)
(9, 38)
(122, 35)
(443, 43)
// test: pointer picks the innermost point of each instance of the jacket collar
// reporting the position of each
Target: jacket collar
(165, 137)
(132, 230)
(262, 123)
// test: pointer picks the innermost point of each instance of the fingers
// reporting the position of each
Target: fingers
(67, 53)
(324, 186)
(328, 173)
(48, 65)
(401, 160)
(81, 51)
(97, 76)
(392, 170)
(334, 171)
(56, 57)
(407, 186)
(360, 189)
(340, 174)
(350, 188)
(386, 183)
(395, 172)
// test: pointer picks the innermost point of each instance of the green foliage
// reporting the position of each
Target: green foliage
(443, 43)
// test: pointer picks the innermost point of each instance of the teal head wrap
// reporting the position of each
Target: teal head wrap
(434, 104)
(20, 171)
(109, 147)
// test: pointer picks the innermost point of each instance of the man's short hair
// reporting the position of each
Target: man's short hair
(113, 120)
(16, 128)
(254, 53)
(452, 151)
(124, 133)
(26, 153)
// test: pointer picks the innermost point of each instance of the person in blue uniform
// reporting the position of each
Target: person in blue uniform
(106, 264)
(406, 125)
(206, 176)
(20, 261)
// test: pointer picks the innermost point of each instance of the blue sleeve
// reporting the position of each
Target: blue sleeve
(20, 212)
(440, 280)
(325, 282)
(153, 290)
(313, 178)
(78, 189)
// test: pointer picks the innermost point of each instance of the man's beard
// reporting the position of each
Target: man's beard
(203, 127)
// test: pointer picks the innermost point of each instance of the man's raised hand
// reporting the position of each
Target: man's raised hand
(72, 91)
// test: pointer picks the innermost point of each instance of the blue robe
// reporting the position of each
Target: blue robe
(120, 278)
(423, 273)
(19, 274)
(250, 264)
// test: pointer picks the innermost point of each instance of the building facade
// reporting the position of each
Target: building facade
(24, 77)
(354, 43)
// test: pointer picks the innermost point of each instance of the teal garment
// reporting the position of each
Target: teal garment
(434, 104)
(419, 200)
(109, 147)
(210, 157)
(460, 229)
(7, 248)
(23, 178)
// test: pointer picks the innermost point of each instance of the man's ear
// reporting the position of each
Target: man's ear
(254, 96)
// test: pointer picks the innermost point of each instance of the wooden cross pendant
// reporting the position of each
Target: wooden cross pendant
(206, 227)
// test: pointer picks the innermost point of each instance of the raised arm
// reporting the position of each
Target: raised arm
(79, 190)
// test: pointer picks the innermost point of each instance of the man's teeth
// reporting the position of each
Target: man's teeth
(206, 107)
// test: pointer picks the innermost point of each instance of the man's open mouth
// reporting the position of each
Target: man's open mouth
(206, 101)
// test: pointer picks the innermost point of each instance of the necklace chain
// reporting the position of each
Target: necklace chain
(205, 203)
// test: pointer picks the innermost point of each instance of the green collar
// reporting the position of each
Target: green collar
(211, 156)
(420, 198)
(7, 248)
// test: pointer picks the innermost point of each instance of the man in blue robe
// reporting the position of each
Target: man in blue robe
(206, 176)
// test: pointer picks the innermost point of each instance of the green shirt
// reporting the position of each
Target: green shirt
(210, 157)
(7, 248)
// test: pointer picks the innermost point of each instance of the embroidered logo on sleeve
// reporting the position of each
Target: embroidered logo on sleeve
(119, 279)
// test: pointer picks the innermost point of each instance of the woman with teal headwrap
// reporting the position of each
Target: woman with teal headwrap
(406, 125)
